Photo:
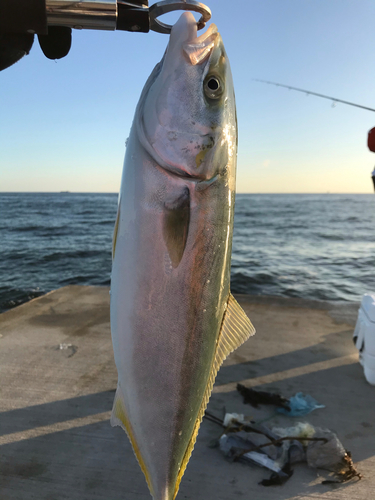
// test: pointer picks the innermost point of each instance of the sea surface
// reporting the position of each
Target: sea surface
(319, 247)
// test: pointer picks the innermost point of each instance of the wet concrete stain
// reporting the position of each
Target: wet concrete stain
(95, 482)
(366, 425)
(352, 435)
(98, 372)
(26, 470)
(74, 323)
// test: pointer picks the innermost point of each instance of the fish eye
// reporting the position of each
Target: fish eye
(213, 84)
(213, 87)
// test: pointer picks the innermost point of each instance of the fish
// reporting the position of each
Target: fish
(173, 317)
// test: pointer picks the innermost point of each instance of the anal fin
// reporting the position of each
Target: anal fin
(236, 328)
(120, 418)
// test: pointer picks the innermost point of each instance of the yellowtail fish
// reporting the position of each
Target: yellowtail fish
(173, 318)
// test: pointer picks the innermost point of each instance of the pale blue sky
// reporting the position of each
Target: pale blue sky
(63, 124)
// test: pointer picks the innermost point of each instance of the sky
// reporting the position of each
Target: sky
(63, 124)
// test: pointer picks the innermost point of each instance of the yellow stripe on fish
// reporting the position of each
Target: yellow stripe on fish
(235, 330)
(120, 418)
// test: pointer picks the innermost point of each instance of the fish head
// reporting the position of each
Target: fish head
(188, 114)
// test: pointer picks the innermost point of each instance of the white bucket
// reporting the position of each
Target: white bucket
(364, 336)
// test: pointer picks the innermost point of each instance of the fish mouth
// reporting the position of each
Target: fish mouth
(201, 48)
(212, 29)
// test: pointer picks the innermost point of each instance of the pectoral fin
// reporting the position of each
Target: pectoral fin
(176, 225)
(235, 329)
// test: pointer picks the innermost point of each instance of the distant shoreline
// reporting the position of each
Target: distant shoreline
(237, 192)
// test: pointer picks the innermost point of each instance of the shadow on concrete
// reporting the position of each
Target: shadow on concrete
(95, 462)
(85, 463)
(30, 417)
(334, 345)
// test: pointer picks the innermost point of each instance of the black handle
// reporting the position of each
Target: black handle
(21, 19)
(133, 17)
(23, 16)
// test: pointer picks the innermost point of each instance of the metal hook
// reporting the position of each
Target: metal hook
(165, 6)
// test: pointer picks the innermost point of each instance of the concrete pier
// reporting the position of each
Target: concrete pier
(58, 378)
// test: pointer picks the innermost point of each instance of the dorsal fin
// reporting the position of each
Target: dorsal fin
(115, 231)
(235, 329)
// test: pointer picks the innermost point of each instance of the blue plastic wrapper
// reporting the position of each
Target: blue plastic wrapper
(300, 404)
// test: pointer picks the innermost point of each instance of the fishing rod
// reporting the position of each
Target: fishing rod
(371, 133)
(334, 99)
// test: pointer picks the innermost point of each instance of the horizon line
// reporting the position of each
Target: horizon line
(237, 192)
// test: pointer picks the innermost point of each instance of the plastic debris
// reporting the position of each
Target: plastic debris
(300, 430)
(256, 398)
(325, 455)
(238, 447)
(231, 418)
(278, 479)
(62, 347)
(300, 405)
(69, 348)
(264, 461)
(279, 448)
(233, 445)
(293, 450)
(296, 406)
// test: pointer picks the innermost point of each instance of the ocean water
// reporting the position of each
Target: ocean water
(319, 247)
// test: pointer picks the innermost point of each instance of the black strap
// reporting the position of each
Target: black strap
(23, 16)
